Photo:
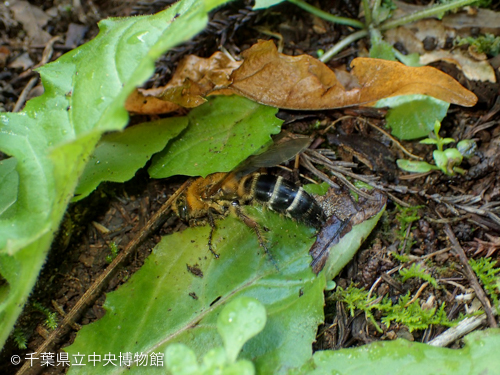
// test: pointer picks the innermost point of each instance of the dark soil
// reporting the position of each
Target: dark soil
(116, 213)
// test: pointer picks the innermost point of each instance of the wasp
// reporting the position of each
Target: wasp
(220, 193)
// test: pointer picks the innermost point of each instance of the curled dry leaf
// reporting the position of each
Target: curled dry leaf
(303, 82)
(194, 79)
(295, 82)
(144, 102)
(472, 68)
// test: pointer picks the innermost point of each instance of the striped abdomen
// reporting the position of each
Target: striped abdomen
(284, 197)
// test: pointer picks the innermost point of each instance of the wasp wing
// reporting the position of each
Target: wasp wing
(276, 154)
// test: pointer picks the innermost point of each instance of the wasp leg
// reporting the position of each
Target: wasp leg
(211, 221)
(256, 227)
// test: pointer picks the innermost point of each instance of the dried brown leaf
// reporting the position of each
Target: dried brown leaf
(194, 78)
(141, 103)
(303, 82)
(294, 82)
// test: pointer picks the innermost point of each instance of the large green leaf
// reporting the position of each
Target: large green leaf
(401, 357)
(9, 183)
(54, 135)
(165, 302)
(119, 155)
(177, 296)
(225, 130)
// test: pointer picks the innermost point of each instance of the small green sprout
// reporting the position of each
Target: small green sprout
(488, 44)
(414, 316)
(416, 270)
(447, 160)
(406, 216)
(489, 276)
(405, 311)
(238, 322)
(51, 317)
(114, 252)
(20, 338)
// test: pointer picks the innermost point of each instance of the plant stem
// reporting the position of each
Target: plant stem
(327, 16)
(433, 11)
(367, 11)
(342, 44)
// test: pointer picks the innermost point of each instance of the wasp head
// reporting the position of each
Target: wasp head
(181, 208)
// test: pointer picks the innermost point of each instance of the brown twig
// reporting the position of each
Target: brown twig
(417, 295)
(394, 141)
(471, 276)
(46, 56)
(24, 94)
(94, 290)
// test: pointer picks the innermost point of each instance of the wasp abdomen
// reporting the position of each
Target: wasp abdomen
(283, 196)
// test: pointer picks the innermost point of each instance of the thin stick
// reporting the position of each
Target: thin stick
(417, 295)
(24, 94)
(395, 141)
(481, 295)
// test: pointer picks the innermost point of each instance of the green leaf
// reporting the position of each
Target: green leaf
(467, 147)
(242, 367)
(429, 141)
(380, 49)
(181, 360)
(413, 116)
(119, 155)
(437, 127)
(413, 59)
(264, 4)
(447, 160)
(215, 359)
(318, 189)
(401, 357)
(446, 141)
(415, 166)
(54, 135)
(344, 251)
(238, 322)
(164, 302)
(233, 127)
(9, 183)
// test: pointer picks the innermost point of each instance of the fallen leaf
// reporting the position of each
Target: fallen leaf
(33, 19)
(140, 102)
(473, 69)
(485, 19)
(412, 38)
(303, 82)
(294, 82)
(196, 76)
(22, 61)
